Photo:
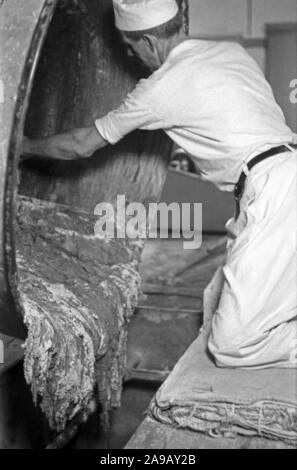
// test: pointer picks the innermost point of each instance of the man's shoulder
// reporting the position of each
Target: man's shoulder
(195, 58)
(199, 52)
(199, 47)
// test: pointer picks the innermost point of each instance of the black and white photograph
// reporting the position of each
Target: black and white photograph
(148, 228)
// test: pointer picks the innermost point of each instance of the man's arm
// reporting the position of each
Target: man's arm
(72, 145)
(134, 113)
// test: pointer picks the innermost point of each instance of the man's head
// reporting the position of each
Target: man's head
(149, 28)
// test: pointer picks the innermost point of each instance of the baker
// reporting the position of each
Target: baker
(212, 99)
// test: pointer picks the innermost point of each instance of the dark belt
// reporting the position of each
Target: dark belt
(239, 187)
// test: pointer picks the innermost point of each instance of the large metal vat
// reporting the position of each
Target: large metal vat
(62, 67)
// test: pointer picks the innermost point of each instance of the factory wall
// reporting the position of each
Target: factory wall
(239, 17)
(244, 19)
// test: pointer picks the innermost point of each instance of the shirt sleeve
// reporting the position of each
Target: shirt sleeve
(138, 111)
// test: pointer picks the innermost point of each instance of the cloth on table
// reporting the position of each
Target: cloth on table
(226, 402)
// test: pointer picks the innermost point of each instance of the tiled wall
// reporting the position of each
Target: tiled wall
(271, 11)
(246, 18)
(217, 17)
(239, 17)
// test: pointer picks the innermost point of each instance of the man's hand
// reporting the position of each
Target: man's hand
(73, 145)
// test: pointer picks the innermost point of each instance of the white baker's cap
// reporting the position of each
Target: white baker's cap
(139, 15)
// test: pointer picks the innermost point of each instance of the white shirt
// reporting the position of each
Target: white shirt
(213, 100)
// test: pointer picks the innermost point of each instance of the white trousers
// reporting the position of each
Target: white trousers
(255, 323)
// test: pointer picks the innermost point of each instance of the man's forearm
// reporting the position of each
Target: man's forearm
(72, 145)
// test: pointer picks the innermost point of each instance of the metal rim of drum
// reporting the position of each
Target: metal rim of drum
(11, 184)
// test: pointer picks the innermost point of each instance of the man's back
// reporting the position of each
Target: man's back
(213, 100)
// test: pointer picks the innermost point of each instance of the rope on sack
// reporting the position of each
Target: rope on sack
(260, 419)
